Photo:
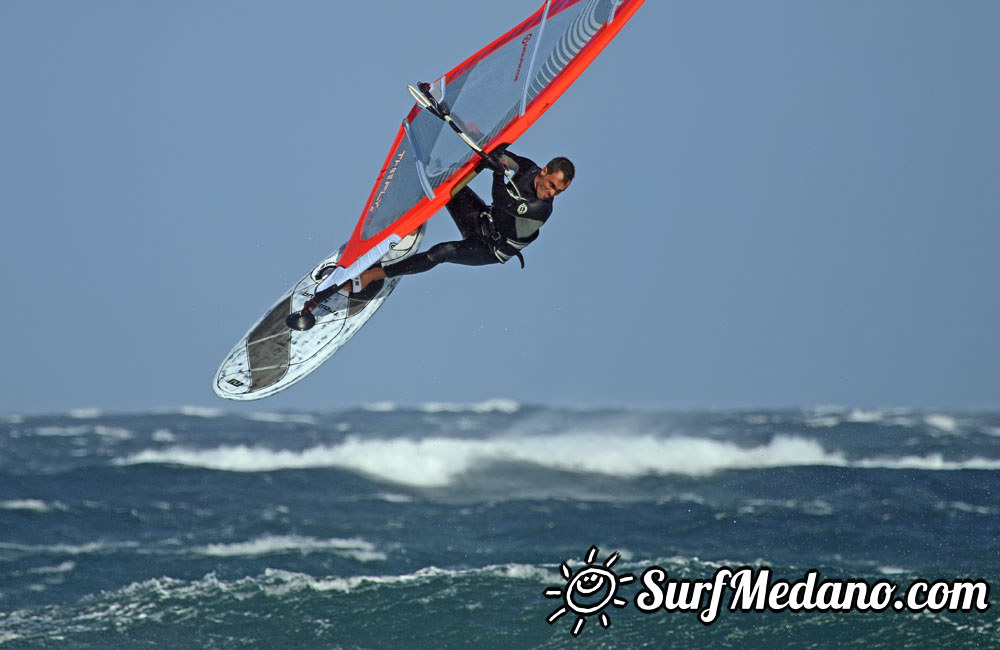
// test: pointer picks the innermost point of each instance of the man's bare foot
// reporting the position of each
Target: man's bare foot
(369, 276)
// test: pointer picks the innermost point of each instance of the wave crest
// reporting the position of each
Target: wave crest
(357, 549)
(438, 461)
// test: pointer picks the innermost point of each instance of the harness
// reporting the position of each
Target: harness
(493, 238)
(525, 229)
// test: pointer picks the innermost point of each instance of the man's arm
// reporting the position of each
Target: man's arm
(500, 160)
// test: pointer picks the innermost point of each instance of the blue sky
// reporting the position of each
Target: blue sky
(778, 203)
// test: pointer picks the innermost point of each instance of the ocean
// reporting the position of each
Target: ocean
(473, 525)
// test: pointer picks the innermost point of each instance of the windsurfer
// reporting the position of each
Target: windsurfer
(493, 234)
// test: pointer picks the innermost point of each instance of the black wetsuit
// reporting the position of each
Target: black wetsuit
(490, 235)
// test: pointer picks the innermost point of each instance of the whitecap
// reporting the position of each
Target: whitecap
(890, 570)
(825, 422)
(379, 407)
(944, 423)
(116, 433)
(933, 462)
(201, 412)
(961, 506)
(85, 413)
(31, 505)
(496, 405)
(437, 462)
(864, 417)
(282, 418)
(65, 567)
(357, 549)
(53, 431)
(71, 549)
(390, 497)
(163, 435)
(279, 582)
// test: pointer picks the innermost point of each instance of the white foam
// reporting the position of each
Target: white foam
(865, 417)
(31, 505)
(439, 461)
(390, 497)
(526, 571)
(934, 462)
(116, 433)
(816, 507)
(379, 407)
(424, 463)
(282, 418)
(89, 548)
(961, 506)
(201, 412)
(357, 549)
(890, 570)
(944, 423)
(496, 405)
(675, 455)
(279, 582)
(71, 549)
(436, 462)
(824, 422)
(65, 567)
(85, 413)
(62, 431)
(164, 435)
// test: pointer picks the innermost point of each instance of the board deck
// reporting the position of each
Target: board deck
(271, 357)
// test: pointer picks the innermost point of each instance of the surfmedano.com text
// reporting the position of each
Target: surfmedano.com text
(754, 591)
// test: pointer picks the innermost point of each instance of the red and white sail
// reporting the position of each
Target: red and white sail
(495, 94)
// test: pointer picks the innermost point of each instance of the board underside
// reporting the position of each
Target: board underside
(272, 357)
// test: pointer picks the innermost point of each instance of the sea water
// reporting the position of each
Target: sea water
(456, 526)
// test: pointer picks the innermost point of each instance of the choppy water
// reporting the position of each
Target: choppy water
(443, 525)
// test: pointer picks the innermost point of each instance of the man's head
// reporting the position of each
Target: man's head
(554, 178)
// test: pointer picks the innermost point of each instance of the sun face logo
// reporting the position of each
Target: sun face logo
(588, 591)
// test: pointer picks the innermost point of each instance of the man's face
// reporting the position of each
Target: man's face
(548, 184)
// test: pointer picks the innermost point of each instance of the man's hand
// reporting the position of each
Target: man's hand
(495, 160)
(495, 163)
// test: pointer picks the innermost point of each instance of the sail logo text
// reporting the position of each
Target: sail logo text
(386, 181)
(524, 50)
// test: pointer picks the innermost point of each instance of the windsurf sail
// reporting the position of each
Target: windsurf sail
(495, 95)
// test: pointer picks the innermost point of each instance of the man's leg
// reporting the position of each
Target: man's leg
(465, 208)
(468, 252)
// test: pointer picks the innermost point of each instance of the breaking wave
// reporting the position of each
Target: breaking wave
(436, 462)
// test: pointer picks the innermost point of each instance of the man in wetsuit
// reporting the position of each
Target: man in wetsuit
(492, 234)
